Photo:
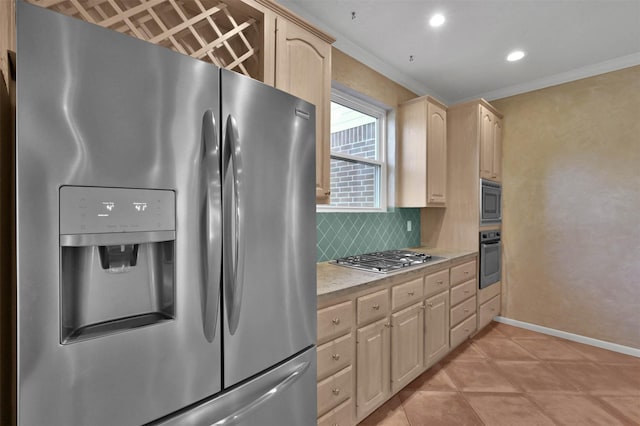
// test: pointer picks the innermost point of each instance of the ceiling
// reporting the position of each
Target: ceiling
(466, 57)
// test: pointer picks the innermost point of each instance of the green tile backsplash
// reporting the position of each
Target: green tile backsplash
(347, 234)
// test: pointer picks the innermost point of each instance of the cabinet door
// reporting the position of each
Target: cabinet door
(407, 347)
(303, 68)
(497, 149)
(486, 143)
(436, 321)
(372, 362)
(436, 156)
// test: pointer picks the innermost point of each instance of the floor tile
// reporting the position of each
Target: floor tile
(433, 379)
(438, 409)
(534, 376)
(629, 371)
(507, 410)
(598, 354)
(595, 379)
(578, 410)
(465, 352)
(550, 349)
(492, 330)
(478, 376)
(511, 331)
(629, 406)
(502, 348)
(390, 413)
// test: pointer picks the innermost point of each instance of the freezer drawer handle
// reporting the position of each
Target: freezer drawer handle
(233, 221)
(211, 222)
(237, 416)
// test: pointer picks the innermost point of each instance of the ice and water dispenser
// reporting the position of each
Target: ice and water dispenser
(117, 268)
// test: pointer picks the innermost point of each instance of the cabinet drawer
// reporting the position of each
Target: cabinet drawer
(334, 320)
(342, 415)
(463, 272)
(335, 355)
(489, 310)
(435, 283)
(404, 294)
(463, 330)
(463, 310)
(372, 306)
(462, 292)
(484, 294)
(334, 390)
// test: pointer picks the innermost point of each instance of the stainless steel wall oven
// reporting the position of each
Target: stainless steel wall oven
(490, 258)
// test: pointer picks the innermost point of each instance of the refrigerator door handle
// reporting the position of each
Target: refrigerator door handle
(234, 243)
(211, 221)
(268, 392)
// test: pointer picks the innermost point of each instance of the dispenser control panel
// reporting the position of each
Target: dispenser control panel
(94, 210)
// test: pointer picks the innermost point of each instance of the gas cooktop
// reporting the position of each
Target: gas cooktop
(385, 261)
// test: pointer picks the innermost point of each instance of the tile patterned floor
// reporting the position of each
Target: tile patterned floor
(515, 377)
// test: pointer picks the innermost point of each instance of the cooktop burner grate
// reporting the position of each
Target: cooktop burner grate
(385, 261)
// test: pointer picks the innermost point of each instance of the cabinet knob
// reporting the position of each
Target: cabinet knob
(466, 292)
(493, 309)
(335, 356)
(411, 293)
(336, 391)
(336, 321)
(466, 330)
(466, 310)
(388, 325)
(440, 282)
(430, 305)
(376, 307)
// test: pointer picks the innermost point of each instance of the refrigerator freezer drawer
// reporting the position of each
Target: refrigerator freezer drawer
(285, 395)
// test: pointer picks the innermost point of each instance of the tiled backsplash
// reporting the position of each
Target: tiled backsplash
(346, 234)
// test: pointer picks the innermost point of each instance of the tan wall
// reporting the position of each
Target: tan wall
(359, 77)
(572, 206)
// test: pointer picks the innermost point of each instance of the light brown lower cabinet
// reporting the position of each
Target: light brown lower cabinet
(488, 311)
(334, 390)
(396, 330)
(339, 416)
(372, 364)
(436, 323)
(407, 347)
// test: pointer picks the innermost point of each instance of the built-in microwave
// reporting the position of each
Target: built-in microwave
(490, 202)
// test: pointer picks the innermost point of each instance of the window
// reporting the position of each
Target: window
(358, 168)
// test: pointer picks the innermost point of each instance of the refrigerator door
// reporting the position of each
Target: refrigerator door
(99, 109)
(269, 289)
(285, 395)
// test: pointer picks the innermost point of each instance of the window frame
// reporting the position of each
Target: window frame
(360, 104)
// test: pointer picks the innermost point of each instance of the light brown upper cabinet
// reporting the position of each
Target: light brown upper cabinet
(490, 145)
(422, 153)
(303, 68)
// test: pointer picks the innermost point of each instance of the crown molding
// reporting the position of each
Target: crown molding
(345, 45)
(561, 78)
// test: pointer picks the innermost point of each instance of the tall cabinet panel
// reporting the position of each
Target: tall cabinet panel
(303, 68)
(490, 145)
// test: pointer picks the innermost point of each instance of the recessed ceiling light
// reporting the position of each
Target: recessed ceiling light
(436, 20)
(516, 55)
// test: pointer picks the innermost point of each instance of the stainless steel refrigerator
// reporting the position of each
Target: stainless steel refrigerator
(165, 236)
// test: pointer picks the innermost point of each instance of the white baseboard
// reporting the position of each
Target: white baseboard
(570, 336)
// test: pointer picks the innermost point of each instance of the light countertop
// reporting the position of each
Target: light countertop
(334, 280)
